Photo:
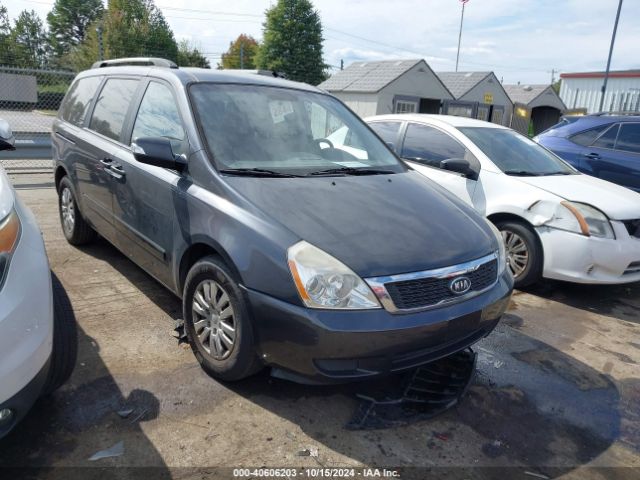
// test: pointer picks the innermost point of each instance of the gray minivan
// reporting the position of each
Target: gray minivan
(327, 261)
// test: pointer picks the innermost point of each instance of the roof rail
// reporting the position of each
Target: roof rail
(143, 61)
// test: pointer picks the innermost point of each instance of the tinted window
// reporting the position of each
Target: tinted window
(285, 130)
(158, 117)
(77, 101)
(111, 107)
(430, 146)
(587, 137)
(608, 138)
(629, 138)
(387, 131)
(515, 154)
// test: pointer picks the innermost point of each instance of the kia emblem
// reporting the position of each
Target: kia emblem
(460, 285)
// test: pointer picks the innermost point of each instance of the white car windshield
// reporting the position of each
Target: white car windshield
(286, 131)
(515, 154)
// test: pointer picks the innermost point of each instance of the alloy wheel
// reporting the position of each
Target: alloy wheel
(214, 320)
(517, 252)
(68, 211)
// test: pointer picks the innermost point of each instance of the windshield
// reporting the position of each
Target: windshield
(286, 131)
(515, 154)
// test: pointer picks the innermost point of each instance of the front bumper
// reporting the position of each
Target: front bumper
(26, 315)
(324, 346)
(575, 258)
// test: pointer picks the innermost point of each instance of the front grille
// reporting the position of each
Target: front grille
(633, 227)
(426, 292)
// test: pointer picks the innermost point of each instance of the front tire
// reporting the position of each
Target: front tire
(75, 228)
(524, 252)
(65, 339)
(217, 321)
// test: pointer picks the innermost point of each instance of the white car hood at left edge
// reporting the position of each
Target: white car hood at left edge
(6, 195)
(618, 203)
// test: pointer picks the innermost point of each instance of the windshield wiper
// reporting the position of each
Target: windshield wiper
(352, 171)
(564, 172)
(523, 173)
(257, 172)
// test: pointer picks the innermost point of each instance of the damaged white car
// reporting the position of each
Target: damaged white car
(556, 222)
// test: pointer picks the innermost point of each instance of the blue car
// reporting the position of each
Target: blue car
(602, 145)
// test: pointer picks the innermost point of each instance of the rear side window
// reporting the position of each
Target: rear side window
(608, 138)
(158, 117)
(629, 138)
(430, 146)
(587, 137)
(387, 131)
(112, 106)
(78, 99)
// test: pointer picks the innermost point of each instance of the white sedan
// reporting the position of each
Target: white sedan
(38, 341)
(556, 222)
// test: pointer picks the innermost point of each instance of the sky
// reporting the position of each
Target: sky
(520, 40)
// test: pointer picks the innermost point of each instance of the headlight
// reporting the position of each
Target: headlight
(324, 282)
(581, 218)
(9, 232)
(502, 251)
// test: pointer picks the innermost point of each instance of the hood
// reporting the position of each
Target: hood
(618, 203)
(375, 224)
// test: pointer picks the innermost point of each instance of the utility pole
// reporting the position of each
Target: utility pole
(100, 44)
(553, 76)
(341, 64)
(242, 56)
(464, 2)
(613, 39)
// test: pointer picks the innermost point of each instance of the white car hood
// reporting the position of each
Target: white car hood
(618, 203)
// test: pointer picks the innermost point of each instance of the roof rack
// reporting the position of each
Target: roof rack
(625, 112)
(143, 61)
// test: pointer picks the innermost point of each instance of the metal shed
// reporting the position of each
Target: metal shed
(390, 86)
(584, 90)
(543, 103)
(477, 95)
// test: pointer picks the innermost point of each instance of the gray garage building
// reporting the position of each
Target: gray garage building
(538, 103)
(390, 86)
(477, 95)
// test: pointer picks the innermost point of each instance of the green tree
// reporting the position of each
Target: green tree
(241, 53)
(68, 22)
(190, 56)
(29, 41)
(5, 37)
(130, 28)
(292, 42)
(135, 28)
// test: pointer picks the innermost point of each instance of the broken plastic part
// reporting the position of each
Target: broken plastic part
(116, 451)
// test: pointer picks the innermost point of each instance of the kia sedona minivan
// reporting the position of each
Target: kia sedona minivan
(287, 249)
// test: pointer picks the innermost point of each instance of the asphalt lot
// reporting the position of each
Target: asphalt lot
(557, 390)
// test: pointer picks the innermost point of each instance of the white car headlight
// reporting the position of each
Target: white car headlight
(502, 251)
(581, 218)
(324, 282)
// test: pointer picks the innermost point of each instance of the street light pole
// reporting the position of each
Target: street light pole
(613, 40)
(460, 33)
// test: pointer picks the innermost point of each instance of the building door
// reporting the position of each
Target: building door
(497, 114)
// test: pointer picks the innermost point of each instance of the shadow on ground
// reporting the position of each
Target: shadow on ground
(617, 301)
(66, 428)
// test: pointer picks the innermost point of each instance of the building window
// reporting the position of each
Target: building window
(406, 107)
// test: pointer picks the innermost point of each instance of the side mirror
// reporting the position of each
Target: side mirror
(157, 151)
(459, 165)
(7, 140)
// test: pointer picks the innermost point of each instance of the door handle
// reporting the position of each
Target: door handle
(117, 169)
(592, 156)
(106, 162)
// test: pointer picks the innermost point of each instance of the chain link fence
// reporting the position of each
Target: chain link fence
(29, 102)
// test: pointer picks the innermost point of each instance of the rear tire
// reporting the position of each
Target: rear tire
(524, 252)
(75, 228)
(217, 321)
(65, 339)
